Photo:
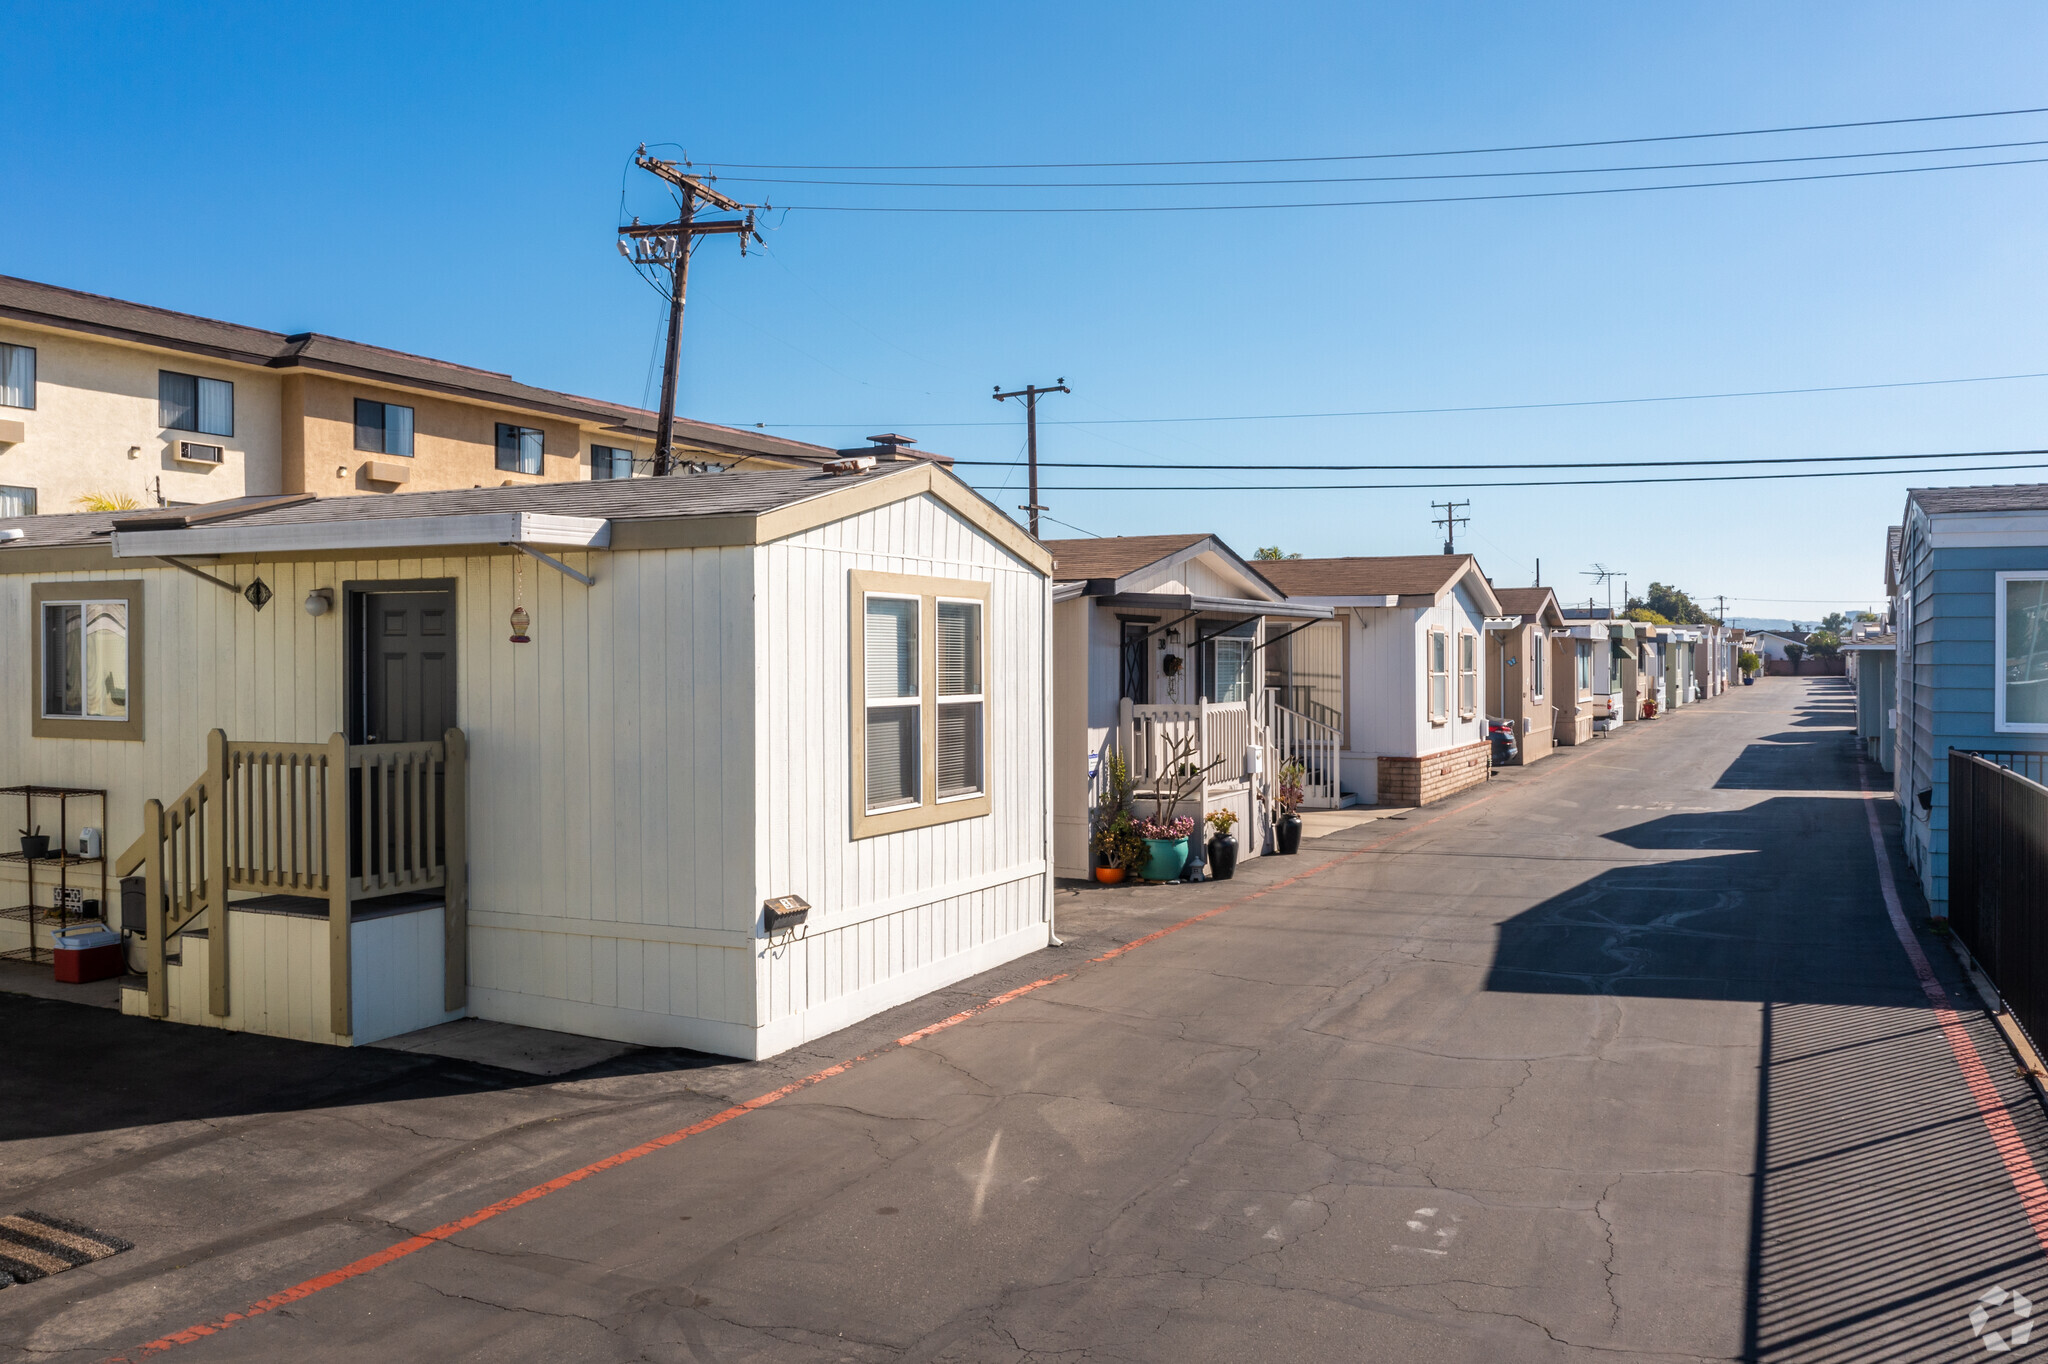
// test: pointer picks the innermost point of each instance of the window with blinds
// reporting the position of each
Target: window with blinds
(186, 402)
(17, 376)
(1229, 667)
(1439, 677)
(895, 710)
(960, 700)
(1468, 675)
(383, 428)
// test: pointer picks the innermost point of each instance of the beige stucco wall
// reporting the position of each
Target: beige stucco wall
(94, 426)
(454, 443)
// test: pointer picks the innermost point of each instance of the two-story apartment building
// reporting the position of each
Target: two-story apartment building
(104, 398)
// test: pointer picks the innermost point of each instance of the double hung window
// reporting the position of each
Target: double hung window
(920, 702)
(17, 376)
(1468, 674)
(2021, 696)
(1439, 677)
(383, 428)
(608, 461)
(1229, 669)
(521, 449)
(186, 402)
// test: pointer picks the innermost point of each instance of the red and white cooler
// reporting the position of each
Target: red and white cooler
(87, 952)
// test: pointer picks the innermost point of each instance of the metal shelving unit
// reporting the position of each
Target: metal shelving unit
(56, 915)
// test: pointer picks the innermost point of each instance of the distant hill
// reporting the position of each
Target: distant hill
(1762, 623)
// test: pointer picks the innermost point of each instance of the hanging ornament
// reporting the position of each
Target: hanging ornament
(520, 620)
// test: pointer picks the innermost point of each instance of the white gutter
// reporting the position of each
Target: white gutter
(1062, 592)
(369, 533)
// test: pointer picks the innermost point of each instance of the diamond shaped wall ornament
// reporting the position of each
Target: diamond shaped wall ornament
(257, 594)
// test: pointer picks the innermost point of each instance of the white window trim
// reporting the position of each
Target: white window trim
(940, 700)
(915, 701)
(1430, 675)
(1536, 669)
(1999, 723)
(1468, 640)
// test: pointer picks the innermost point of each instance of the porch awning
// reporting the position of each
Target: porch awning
(1242, 606)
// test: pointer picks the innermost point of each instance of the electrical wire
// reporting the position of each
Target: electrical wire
(1460, 484)
(1438, 411)
(1385, 179)
(1566, 464)
(1387, 156)
(1437, 199)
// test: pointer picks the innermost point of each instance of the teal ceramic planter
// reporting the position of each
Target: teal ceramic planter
(1164, 858)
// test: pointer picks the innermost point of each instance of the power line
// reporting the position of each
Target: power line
(1565, 464)
(1157, 487)
(1437, 411)
(1435, 199)
(1379, 179)
(1388, 156)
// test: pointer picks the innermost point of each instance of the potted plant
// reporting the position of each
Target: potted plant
(1649, 707)
(1750, 664)
(1222, 844)
(1120, 847)
(35, 843)
(1287, 796)
(1166, 847)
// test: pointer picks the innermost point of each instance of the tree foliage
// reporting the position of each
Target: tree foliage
(1824, 643)
(1669, 605)
(1272, 554)
(1833, 623)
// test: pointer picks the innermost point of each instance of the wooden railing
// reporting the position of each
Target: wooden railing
(1291, 736)
(325, 820)
(1150, 736)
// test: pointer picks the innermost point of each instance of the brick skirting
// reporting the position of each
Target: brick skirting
(1419, 781)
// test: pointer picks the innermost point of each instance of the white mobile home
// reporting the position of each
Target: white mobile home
(1414, 683)
(1163, 638)
(724, 762)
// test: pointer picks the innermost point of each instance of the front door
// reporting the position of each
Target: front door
(401, 666)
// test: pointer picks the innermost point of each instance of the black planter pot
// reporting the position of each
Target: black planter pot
(1287, 833)
(35, 845)
(1223, 857)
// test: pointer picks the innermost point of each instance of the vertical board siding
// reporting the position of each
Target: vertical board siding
(858, 940)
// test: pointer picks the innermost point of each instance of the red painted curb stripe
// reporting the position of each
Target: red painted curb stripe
(412, 1244)
(2011, 1147)
(378, 1259)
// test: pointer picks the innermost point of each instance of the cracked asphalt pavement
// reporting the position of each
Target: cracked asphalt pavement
(1615, 1057)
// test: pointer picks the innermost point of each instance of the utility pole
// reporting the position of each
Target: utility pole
(1539, 573)
(1031, 393)
(1720, 608)
(668, 245)
(1450, 521)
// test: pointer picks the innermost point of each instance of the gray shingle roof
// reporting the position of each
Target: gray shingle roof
(1997, 497)
(739, 493)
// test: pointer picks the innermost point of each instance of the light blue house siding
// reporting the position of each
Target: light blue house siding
(1948, 668)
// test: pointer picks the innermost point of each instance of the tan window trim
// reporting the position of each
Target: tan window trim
(87, 589)
(930, 809)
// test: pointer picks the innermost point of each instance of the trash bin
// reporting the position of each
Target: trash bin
(134, 905)
(87, 952)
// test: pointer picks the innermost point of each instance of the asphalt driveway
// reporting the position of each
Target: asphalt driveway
(1621, 1055)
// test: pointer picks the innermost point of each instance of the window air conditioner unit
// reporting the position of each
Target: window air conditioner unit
(192, 452)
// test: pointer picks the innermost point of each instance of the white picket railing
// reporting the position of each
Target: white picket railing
(1291, 736)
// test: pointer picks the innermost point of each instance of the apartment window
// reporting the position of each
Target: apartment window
(921, 705)
(383, 428)
(17, 501)
(1468, 674)
(17, 376)
(1583, 655)
(961, 737)
(1439, 677)
(520, 449)
(2021, 701)
(1536, 648)
(608, 461)
(186, 402)
(86, 657)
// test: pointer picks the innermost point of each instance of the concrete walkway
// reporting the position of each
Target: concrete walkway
(1618, 1056)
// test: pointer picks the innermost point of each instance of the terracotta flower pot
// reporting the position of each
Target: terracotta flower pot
(1109, 876)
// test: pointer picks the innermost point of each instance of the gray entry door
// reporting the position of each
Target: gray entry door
(402, 672)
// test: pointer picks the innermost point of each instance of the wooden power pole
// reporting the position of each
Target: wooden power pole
(1031, 393)
(668, 246)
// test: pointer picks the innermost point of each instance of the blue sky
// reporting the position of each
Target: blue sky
(444, 179)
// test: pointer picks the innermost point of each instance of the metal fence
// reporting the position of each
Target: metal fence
(1998, 874)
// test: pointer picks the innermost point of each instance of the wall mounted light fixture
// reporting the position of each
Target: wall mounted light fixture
(319, 601)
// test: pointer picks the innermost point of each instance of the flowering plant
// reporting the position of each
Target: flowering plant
(1288, 795)
(1168, 829)
(1222, 821)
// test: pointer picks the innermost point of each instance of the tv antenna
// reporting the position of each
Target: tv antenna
(668, 246)
(1450, 521)
(1605, 577)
